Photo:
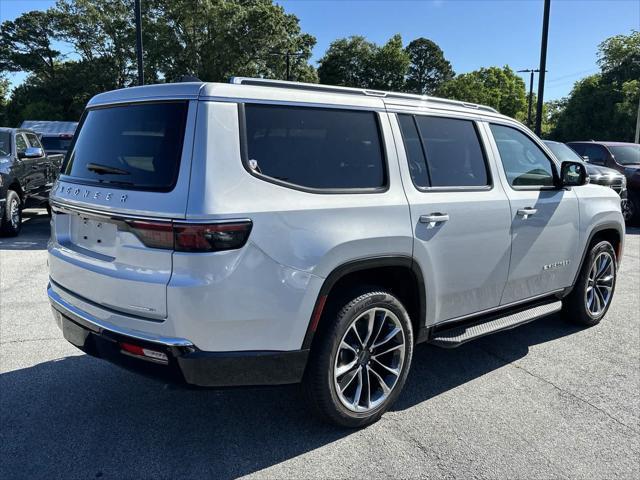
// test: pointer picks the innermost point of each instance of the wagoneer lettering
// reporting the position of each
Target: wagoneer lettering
(315, 234)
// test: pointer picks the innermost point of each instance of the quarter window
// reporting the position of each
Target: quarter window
(315, 148)
(525, 164)
(443, 152)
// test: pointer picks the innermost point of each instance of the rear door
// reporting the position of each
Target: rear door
(460, 215)
(125, 179)
(544, 218)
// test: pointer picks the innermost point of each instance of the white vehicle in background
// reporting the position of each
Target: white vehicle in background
(266, 232)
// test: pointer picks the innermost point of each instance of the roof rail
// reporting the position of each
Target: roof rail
(264, 82)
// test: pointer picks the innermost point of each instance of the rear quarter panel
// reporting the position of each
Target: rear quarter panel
(298, 239)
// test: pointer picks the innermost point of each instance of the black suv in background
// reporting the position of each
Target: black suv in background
(599, 175)
(27, 174)
(623, 157)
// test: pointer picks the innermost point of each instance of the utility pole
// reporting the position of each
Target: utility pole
(288, 54)
(139, 42)
(543, 65)
(532, 71)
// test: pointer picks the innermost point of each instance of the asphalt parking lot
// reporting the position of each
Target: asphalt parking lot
(547, 400)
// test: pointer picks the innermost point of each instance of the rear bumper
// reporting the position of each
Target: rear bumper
(185, 363)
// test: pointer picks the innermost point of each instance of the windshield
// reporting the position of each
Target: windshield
(626, 154)
(130, 146)
(5, 144)
(563, 152)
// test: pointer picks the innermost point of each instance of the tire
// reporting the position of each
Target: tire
(631, 211)
(340, 346)
(12, 219)
(593, 291)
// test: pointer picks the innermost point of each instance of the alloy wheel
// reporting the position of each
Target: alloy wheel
(14, 212)
(369, 360)
(600, 284)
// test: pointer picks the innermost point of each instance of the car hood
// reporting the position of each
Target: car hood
(598, 171)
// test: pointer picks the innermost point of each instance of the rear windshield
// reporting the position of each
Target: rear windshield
(55, 143)
(130, 146)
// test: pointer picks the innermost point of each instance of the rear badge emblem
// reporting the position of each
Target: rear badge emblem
(108, 196)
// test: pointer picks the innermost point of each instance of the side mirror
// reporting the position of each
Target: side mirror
(33, 152)
(573, 174)
(585, 158)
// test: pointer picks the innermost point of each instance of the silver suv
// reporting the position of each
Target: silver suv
(264, 232)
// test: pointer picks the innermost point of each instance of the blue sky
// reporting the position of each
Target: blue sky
(472, 33)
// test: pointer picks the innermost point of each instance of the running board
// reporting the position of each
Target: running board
(457, 335)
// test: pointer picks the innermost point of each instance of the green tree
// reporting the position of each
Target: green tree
(356, 62)
(619, 57)
(604, 106)
(215, 40)
(428, 69)
(4, 93)
(211, 39)
(389, 67)
(26, 44)
(496, 87)
(348, 62)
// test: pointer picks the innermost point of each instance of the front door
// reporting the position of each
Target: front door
(460, 215)
(544, 218)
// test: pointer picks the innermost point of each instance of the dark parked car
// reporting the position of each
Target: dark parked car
(27, 174)
(599, 175)
(623, 157)
(55, 136)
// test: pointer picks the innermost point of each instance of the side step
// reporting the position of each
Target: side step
(457, 335)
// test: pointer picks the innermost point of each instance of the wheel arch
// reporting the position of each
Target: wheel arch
(410, 289)
(610, 231)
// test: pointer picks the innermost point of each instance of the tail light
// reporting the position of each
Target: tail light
(153, 234)
(192, 237)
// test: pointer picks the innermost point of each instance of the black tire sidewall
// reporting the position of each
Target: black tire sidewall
(578, 310)
(7, 227)
(324, 358)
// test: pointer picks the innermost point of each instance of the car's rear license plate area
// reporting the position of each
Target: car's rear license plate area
(93, 234)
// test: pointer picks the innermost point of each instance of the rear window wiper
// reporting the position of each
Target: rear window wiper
(106, 169)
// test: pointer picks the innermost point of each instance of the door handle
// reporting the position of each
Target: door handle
(434, 218)
(526, 212)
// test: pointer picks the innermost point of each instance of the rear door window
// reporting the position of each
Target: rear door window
(444, 152)
(135, 146)
(314, 148)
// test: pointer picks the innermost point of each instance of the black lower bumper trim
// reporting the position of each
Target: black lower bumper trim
(188, 365)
